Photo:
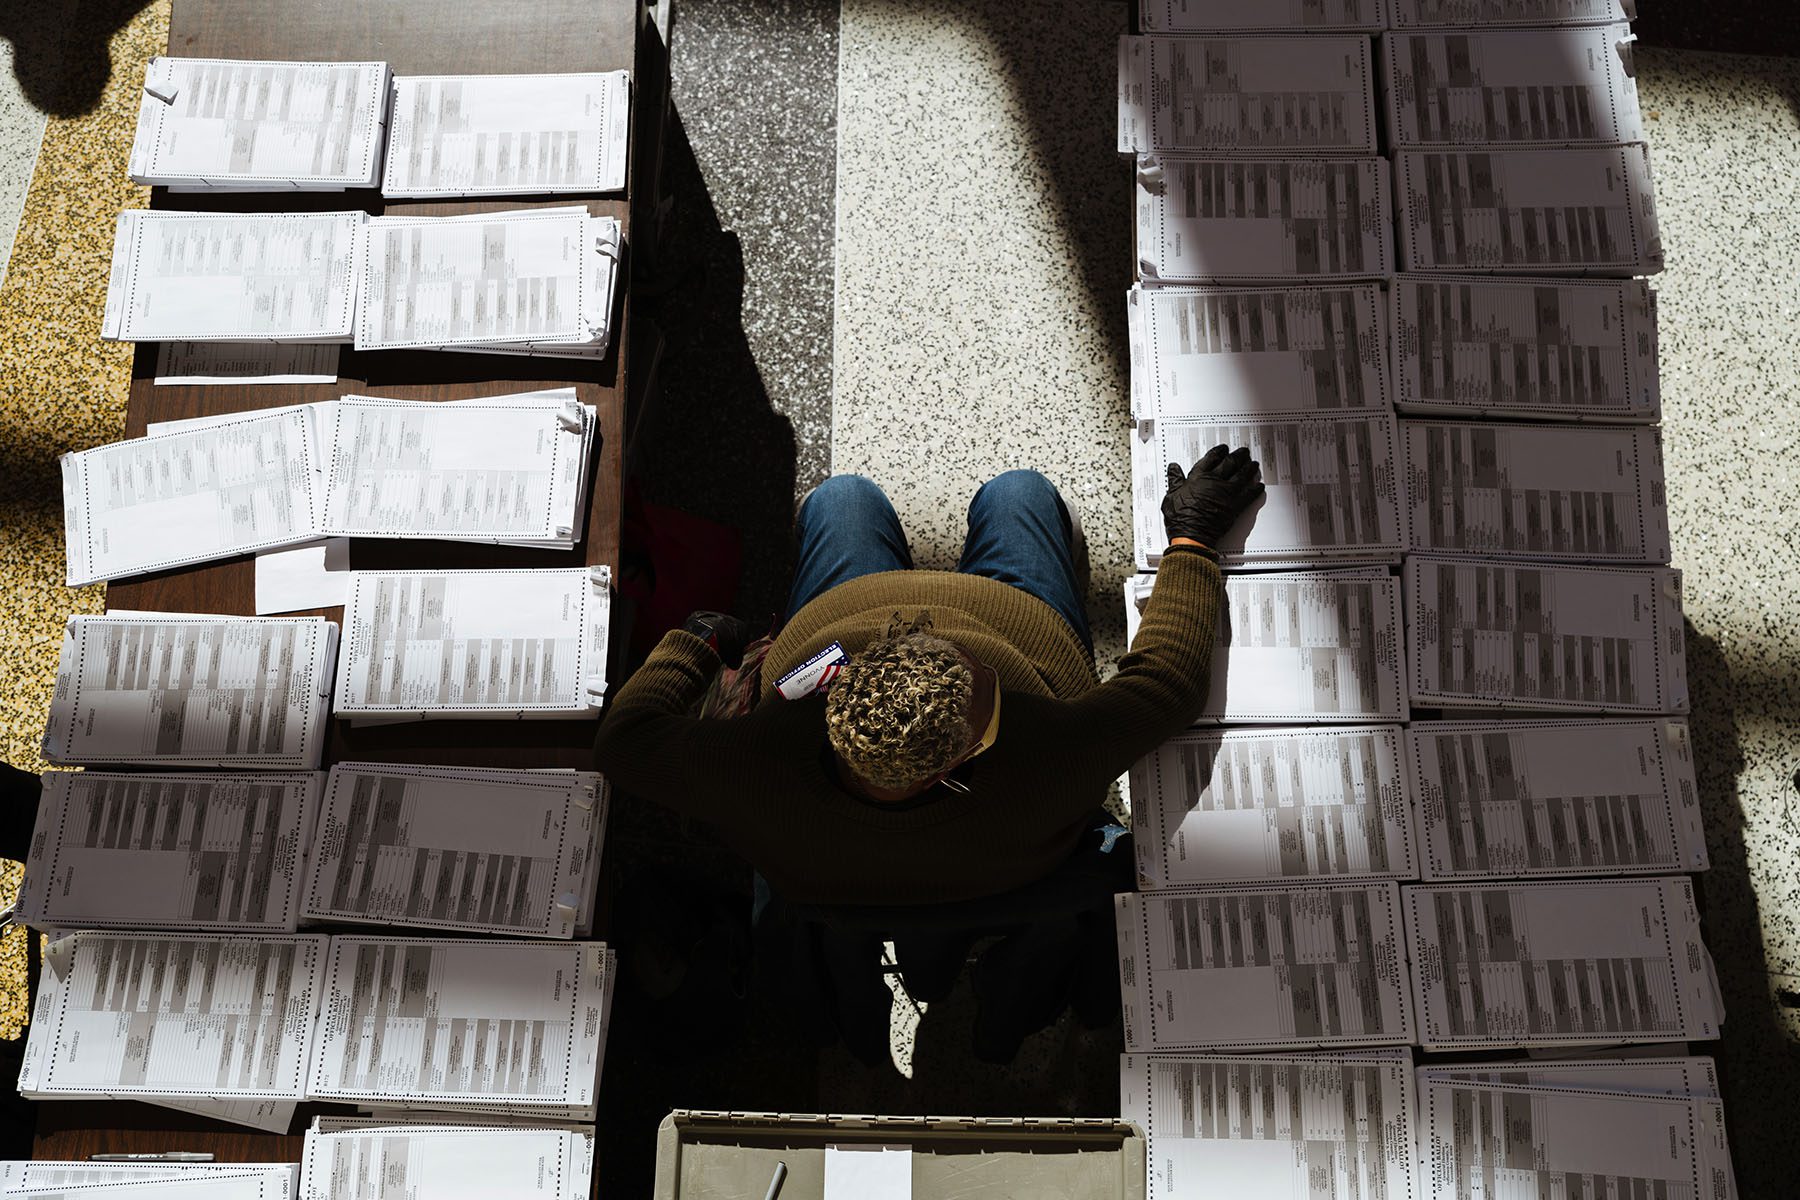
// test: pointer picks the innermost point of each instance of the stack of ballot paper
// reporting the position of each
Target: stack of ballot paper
(446, 1159)
(490, 135)
(179, 690)
(150, 1180)
(468, 643)
(260, 126)
(1406, 14)
(1227, 16)
(532, 281)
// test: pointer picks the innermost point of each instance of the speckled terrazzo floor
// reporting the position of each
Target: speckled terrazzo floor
(21, 132)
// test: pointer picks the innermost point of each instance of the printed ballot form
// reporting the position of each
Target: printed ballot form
(246, 1183)
(487, 851)
(1302, 646)
(146, 851)
(471, 643)
(260, 126)
(233, 277)
(152, 503)
(1330, 486)
(1289, 966)
(1406, 13)
(1495, 635)
(1322, 1126)
(1558, 86)
(1221, 221)
(1555, 798)
(1544, 964)
(448, 1023)
(1535, 491)
(1270, 95)
(1582, 210)
(1227, 16)
(1678, 1076)
(1210, 352)
(260, 1181)
(1526, 349)
(394, 1162)
(491, 135)
(193, 691)
(1256, 805)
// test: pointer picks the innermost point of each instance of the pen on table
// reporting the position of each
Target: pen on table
(775, 1183)
(165, 1156)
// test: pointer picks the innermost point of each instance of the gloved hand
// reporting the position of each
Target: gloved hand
(726, 634)
(1204, 503)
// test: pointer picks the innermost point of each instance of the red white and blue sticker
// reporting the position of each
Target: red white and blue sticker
(815, 675)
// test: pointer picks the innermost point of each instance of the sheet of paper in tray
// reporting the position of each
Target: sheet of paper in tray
(486, 851)
(1558, 86)
(1279, 94)
(1219, 220)
(1301, 646)
(1333, 1126)
(150, 851)
(487, 644)
(1594, 962)
(1570, 639)
(1544, 492)
(1526, 349)
(1408, 13)
(1579, 210)
(1545, 798)
(177, 689)
(1280, 16)
(517, 1026)
(1263, 805)
(234, 277)
(449, 1161)
(491, 135)
(1285, 967)
(1330, 482)
(1209, 352)
(260, 126)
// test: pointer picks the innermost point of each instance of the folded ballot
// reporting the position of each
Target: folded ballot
(1266, 805)
(179, 690)
(1303, 646)
(1218, 220)
(234, 277)
(1526, 349)
(260, 126)
(473, 643)
(532, 281)
(494, 135)
(1292, 966)
(446, 1160)
(1407, 13)
(1280, 94)
(123, 1180)
(1233, 16)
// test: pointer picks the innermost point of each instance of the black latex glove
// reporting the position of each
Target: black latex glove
(1204, 503)
(726, 634)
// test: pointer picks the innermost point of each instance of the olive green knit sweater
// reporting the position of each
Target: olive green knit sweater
(764, 781)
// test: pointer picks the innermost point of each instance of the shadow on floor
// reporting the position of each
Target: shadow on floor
(1730, 26)
(60, 54)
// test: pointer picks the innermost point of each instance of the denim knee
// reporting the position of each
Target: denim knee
(1021, 487)
(846, 492)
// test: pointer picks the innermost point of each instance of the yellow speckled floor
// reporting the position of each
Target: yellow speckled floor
(61, 388)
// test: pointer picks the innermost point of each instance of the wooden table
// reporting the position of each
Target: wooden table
(418, 37)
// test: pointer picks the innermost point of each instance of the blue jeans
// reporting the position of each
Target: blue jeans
(1019, 534)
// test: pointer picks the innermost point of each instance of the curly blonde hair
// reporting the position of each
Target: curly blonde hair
(899, 712)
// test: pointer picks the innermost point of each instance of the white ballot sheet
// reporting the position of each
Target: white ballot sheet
(1229, 16)
(153, 503)
(1406, 13)
(1271, 95)
(1560, 86)
(270, 1116)
(491, 135)
(1210, 352)
(296, 578)
(1539, 349)
(1681, 1076)
(240, 1184)
(214, 363)
(192, 691)
(447, 1162)
(865, 1171)
(487, 851)
(446, 1023)
(1289, 966)
(519, 643)
(1255, 805)
(1303, 646)
(233, 277)
(1541, 964)
(1583, 210)
(1324, 1127)
(262, 126)
(1221, 221)
(1535, 491)
(129, 1015)
(143, 851)
(82, 1177)
(1330, 486)
(1544, 798)
(1574, 639)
